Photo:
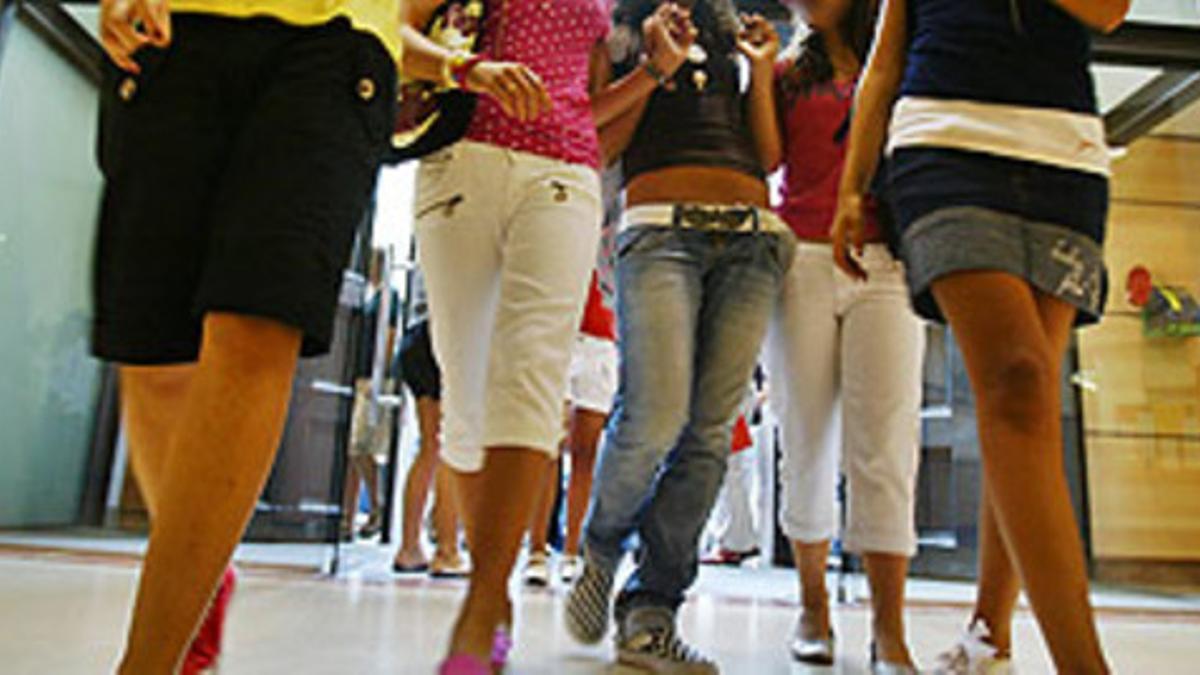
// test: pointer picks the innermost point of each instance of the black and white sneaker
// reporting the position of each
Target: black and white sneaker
(589, 604)
(647, 640)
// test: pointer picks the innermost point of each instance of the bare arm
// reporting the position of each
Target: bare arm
(1102, 15)
(618, 107)
(616, 136)
(760, 43)
(518, 90)
(612, 100)
(872, 109)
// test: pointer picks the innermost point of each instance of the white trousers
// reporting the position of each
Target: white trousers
(844, 367)
(507, 241)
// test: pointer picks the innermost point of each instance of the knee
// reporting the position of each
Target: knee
(651, 429)
(1018, 389)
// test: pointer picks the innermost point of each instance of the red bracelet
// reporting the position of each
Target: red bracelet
(461, 69)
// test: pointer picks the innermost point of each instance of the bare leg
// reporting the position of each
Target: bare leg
(584, 436)
(999, 587)
(445, 519)
(1004, 331)
(368, 468)
(152, 399)
(219, 455)
(887, 574)
(811, 561)
(499, 502)
(539, 523)
(350, 497)
(416, 485)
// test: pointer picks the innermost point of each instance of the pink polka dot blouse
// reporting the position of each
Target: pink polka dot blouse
(554, 38)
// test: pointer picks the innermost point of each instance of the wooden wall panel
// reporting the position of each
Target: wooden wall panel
(1142, 418)
(1159, 169)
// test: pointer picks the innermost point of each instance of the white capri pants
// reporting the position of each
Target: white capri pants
(593, 374)
(507, 241)
(844, 369)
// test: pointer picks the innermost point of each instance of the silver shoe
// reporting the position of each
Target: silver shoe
(818, 652)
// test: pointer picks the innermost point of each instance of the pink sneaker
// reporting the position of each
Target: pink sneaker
(502, 645)
(464, 664)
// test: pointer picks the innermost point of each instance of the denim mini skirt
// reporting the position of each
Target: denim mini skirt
(960, 211)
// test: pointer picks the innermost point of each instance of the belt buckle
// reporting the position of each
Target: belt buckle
(714, 219)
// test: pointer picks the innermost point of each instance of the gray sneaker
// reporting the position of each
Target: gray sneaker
(589, 604)
(647, 640)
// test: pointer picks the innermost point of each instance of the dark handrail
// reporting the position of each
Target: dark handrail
(65, 35)
(1150, 45)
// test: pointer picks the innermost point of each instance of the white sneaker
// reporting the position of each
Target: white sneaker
(569, 569)
(537, 569)
(973, 655)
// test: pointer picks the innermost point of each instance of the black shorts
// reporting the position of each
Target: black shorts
(238, 165)
(418, 367)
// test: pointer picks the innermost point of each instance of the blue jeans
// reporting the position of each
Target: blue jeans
(693, 309)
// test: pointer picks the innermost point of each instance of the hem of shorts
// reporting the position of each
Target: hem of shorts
(591, 406)
(137, 352)
(806, 535)
(312, 345)
(463, 459)
(887, 544)
(921, 283)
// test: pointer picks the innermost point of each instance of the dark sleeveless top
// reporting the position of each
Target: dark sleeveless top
(1027, 53)
(694, 126)
(1017, 52)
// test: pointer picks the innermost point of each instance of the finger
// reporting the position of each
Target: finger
(507, 104)
(496, 90)
(529, 93)
(531, 85)
(158, 22)
(510, 83)
(118, 56)
(545, 102)
(121, 42)
(121, 31)
(839, 256)
(846, 262)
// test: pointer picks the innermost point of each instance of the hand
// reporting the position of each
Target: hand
(128, 25)
(668, 33)
(759, 41)
(848, 235)
(518, 90)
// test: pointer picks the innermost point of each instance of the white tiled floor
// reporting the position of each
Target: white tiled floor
(65, 614)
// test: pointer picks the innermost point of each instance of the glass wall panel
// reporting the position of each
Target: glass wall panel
(49, 192)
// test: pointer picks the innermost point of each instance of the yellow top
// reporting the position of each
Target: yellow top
(380, 18)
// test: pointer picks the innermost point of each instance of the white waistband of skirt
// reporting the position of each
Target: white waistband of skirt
(1059, 138)
(663, 215)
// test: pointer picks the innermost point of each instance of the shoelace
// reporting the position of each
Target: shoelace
(665, 642)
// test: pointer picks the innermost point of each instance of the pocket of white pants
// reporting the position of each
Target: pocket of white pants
(435, 188)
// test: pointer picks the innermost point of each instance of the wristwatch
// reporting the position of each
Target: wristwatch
(456, 69)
